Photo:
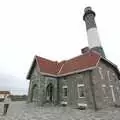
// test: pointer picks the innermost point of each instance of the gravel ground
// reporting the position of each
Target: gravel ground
(23, 111)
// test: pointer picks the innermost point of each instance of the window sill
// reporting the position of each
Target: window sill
(81, 97)
(64, 103)
(82, 104)
(64, 96)
(106, 97)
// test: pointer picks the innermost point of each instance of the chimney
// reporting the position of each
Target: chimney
(85, 50)
(92, 34)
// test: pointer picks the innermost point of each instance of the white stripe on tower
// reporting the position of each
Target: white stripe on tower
(93, 38)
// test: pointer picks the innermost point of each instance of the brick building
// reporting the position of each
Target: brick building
(89, 80)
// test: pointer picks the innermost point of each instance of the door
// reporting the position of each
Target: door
(49, 92)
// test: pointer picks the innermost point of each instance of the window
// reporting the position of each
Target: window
(100, 72)
(104, 90)
(118, 91)
(114, 77)
(81, 91)
(108, 74)
(65, 89)
(117, 88)
(113, 95)
(65, 77)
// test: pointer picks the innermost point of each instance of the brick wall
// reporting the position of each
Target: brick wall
(104, 77)
(72, 81)
(101, 90)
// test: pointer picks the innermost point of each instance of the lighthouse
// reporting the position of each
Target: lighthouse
(92, 34)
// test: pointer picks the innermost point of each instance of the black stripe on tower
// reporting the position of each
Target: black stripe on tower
(88, 17)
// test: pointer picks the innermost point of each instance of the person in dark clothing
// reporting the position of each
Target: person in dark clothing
(7, 101)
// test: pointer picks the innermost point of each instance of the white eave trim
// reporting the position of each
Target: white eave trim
(109, 62)
(48, 74)
(77, 71)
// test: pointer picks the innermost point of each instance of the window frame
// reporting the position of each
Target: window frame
(104, 90)
(115, 79)
(65, 87)
(78, 86)
(113, 93)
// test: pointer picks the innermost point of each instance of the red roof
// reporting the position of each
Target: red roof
(47, 66)
(81, 62)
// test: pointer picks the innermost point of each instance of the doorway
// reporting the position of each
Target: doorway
(49, 92)
(34, 93)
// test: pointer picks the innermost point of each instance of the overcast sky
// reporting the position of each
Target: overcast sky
(53, 29)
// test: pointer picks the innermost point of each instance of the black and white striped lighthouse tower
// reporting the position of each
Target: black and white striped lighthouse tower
(93, 37)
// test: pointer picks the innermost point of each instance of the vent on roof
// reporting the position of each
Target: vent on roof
(85, 50)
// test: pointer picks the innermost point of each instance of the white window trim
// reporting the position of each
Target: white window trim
(103, 85)
(78, 86)
(100, 72)
(64, 103)
(113, 95)
(82, 104)
(65, 86)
